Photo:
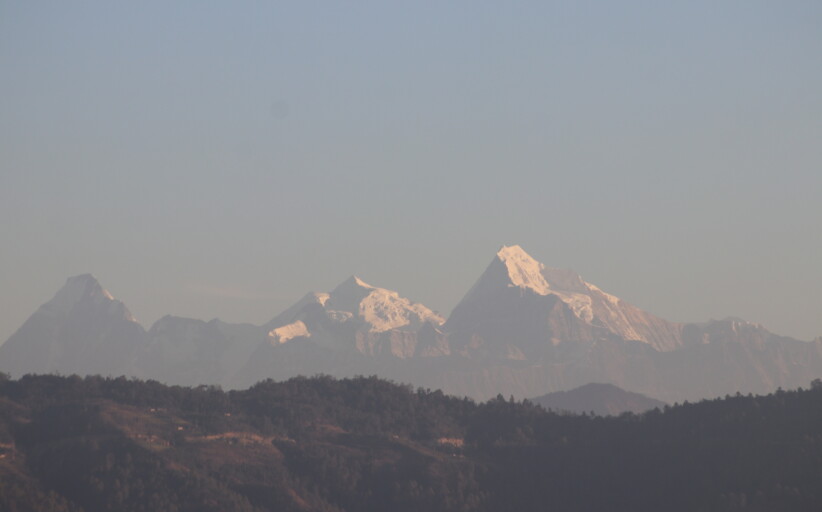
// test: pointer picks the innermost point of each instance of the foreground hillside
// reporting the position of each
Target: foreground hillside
(96, 444)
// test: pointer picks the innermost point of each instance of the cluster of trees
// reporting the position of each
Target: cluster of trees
(98, 444)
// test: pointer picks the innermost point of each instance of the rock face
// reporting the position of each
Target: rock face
(523, 329)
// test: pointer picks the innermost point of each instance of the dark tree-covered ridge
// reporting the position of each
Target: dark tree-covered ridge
(100, 444)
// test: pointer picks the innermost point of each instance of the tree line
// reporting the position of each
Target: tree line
(96, 444)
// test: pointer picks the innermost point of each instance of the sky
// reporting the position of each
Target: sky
(222, 159)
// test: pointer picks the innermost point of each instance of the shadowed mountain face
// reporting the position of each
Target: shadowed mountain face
(186, 351)
(600, 399)
(82, 330)
(523, 329)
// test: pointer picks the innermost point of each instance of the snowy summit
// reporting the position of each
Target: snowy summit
(381, 309)
(523, 270)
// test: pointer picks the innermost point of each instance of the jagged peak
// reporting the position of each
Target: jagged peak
(523, 270)
(381, 308)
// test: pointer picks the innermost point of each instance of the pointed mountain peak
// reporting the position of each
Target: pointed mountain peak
(349, 294)
(377, 309)
(513, 268)
(512, 251)
(310, 300)
(380, 308)
(523, 270)
(85, 281)
(84, 289)
(353, 282)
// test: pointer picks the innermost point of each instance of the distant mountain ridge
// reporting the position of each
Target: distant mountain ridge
(523, 329)
(597, 398)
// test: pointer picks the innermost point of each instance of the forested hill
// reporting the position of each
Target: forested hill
(98, 444)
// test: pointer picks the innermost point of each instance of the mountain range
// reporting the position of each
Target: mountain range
(523, 329)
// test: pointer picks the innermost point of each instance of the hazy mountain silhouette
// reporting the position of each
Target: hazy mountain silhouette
(82, 330)
(597, 398)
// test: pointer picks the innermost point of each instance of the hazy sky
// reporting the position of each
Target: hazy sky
(221, 159)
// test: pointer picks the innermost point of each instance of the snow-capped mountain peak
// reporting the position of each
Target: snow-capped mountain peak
(372, 309)
(380, 308)
(348, 295)
(523, 270)
(385, 310)
(513, 268)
